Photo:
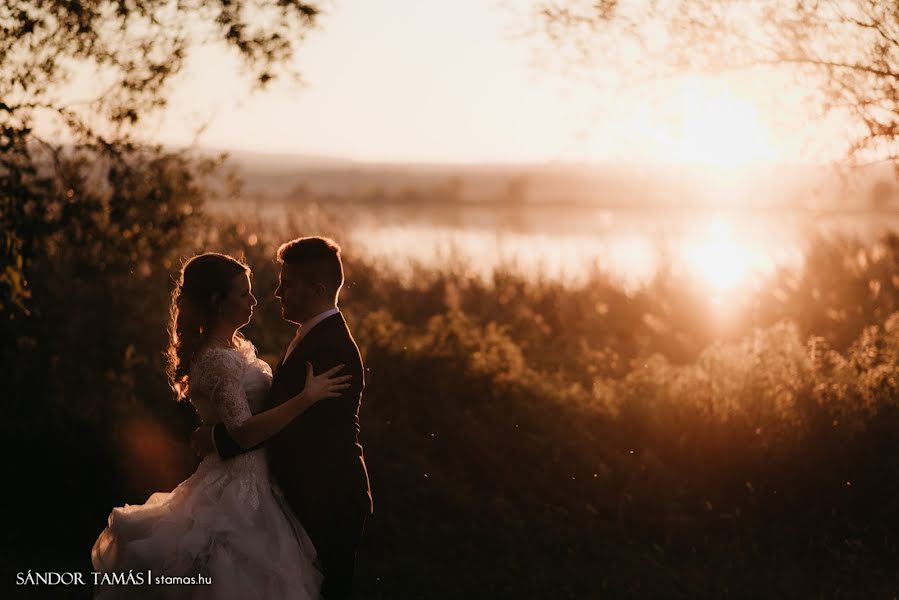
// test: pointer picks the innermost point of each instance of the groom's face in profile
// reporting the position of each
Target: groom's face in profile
(295, 294)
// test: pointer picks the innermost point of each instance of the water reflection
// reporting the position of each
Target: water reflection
(722, 260)
(571, 258)
(724, 253)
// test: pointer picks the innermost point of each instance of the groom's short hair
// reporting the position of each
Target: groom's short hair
(317, 257)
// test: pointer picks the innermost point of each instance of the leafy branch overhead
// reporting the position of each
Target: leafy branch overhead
(843, 55)
(62, 155)
(136, 46)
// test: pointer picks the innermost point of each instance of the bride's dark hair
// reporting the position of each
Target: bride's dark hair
(205, 281)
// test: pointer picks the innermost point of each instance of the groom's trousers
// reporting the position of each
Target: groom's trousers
(336, 548)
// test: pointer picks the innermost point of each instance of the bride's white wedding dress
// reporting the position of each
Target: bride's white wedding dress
(226, 521)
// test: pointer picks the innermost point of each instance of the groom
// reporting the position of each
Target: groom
(317, 459)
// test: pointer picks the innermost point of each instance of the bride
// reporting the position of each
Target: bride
(226, 522)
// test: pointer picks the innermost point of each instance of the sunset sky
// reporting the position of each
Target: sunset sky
(426, 81)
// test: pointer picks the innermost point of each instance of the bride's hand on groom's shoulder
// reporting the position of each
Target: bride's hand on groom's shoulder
(201, 441)
(325, 385)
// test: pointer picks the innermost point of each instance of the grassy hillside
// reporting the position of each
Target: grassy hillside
(524, 439)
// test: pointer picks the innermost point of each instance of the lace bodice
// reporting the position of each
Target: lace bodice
(227, 385)
(227, 521)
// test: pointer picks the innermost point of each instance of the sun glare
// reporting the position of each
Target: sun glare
(704, 123)
(718, 260)
(721, 129)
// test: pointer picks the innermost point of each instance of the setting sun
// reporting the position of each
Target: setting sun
(708, 124)
(722, 125)
(720, 261)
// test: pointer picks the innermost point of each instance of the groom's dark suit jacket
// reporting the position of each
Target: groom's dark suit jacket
(317, 459)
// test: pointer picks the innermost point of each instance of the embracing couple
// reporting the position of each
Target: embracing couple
(277, 506)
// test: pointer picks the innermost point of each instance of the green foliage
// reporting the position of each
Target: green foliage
(93, 226)
(524, 438)
(66, 169)
(753, 462)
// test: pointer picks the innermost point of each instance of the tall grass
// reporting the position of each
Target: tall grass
(527, 438)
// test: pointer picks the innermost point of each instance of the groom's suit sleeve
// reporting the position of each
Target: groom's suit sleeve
(340, 418)
(337, 411)
(225, 444)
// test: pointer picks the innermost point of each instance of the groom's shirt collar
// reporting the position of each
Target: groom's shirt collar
(304, 329)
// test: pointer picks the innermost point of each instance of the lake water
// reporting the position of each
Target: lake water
(723, 250)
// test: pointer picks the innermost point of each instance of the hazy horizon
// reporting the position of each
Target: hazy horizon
(406, 82)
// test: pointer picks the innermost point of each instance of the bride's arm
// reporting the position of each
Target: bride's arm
(251, 430)
(259, 427)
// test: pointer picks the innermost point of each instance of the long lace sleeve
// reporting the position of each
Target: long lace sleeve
(223, 377)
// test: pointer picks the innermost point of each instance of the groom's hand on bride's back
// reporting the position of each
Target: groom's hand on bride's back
(201, 441)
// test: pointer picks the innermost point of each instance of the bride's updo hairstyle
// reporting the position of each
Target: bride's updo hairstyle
(204, 283)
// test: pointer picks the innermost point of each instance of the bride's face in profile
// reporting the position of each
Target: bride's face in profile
(237, 308)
